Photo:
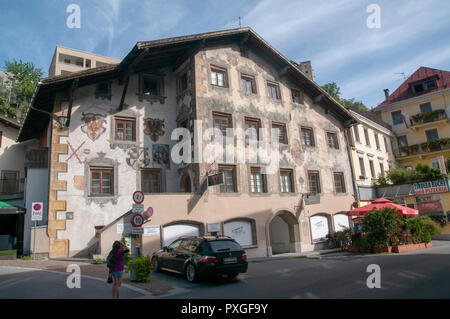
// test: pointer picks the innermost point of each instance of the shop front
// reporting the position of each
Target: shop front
(430, 197)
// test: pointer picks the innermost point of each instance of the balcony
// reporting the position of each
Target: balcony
(426, 147)
(428, 117)
(11, 188)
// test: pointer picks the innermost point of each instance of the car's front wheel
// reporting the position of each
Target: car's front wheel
(155, 264)
(191, 273)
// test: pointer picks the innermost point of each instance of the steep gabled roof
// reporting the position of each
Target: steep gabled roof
(170, 52)
(404, 91)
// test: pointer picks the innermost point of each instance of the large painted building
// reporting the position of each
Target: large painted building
(418, 113)
(112, 134)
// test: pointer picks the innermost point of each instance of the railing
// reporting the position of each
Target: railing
(428, 117)
(426, 147)
(11, 186)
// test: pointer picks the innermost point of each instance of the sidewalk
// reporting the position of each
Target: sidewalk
(156, 287)
(307, 254)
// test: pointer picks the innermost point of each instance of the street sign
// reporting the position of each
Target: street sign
(137, 220)
(149, 212)
(36, 211)
(138, 208)
(215, 179)
(138, 197)
(137, 231)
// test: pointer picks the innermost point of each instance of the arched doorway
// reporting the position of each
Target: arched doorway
(185, 182)
(283, 233)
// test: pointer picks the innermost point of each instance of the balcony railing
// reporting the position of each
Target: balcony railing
(428, 117)
(426, 147)
(11, 186)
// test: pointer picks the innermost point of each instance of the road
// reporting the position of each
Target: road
(420, 274)
(28, 283)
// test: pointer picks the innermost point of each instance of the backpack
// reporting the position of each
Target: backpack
(111, 260)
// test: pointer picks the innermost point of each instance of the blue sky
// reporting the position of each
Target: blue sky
(332, 34)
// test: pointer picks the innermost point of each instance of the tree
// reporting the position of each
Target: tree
(334, 90)
(24, 82)
(381, 225)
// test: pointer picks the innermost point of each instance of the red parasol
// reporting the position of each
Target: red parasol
(380, 204)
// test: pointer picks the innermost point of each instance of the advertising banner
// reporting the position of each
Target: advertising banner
(431, 187)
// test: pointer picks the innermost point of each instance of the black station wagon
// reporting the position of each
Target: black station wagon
(201, 257)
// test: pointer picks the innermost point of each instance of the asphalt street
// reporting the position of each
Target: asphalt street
(420, 274)
(27, 283)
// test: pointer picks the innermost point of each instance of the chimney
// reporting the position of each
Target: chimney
(386, 93)
(306, 68)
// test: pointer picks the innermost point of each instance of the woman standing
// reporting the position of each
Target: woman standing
(118, 251)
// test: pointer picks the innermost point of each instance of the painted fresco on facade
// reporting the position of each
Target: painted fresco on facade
(161, 154)
(154, 128)
(92, 125)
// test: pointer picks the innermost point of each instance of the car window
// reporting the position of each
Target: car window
(190, 244)
(175, 244)
(224, 245)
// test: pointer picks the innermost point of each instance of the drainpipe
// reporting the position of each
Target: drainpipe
(355, 188)
(50, 140)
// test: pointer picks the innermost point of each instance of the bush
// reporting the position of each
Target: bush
(27, 257)
(142, 268)
(343, 238)
(430, 225)
(426, 236)
(441, 219)
(98, 261)
(360, 241)
(380, 225)
(416, 227)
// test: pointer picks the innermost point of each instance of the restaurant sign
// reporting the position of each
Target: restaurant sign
(430, 187)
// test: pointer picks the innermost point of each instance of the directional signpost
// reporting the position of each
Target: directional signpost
(137, 220)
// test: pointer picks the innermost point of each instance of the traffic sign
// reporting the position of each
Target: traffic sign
(149, 212)
(137, 231)
(138, 197)
(137, 220)
(36, 211)
(138, 208)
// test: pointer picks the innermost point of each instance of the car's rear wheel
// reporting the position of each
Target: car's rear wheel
(155, 264)
(232, 276)
(191, 273)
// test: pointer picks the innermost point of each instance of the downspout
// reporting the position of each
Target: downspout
(49, 141)
(349, 154)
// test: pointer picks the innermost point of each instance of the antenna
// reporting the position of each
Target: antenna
(240, 26)
(403, 73)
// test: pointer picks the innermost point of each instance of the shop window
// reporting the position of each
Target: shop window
(320, 228)
(242, 230)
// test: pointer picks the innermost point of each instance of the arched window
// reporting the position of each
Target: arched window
(319, 228)
(243, 230)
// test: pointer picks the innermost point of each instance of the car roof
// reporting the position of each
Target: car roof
(207, 237)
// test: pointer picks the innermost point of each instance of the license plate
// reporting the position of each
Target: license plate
(231, 260)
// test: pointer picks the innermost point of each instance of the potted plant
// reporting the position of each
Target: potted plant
(140, 269)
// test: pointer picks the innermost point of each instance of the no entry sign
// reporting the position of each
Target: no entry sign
(137, 220)
(138, 197)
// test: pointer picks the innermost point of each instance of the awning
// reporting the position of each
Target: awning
(7, 209)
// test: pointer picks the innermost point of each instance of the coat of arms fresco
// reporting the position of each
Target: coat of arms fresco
(92, 125)
(154, 128)
(161, 154)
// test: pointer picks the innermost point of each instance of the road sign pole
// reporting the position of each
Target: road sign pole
(34, 241)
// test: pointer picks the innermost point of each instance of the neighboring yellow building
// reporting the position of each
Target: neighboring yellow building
(371, 154)
(418, 112)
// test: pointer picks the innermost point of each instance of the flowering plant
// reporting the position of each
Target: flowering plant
(142, 268)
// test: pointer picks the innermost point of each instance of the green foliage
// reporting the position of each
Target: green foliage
(8, 252)
(27, 257)
(429, 225)
(415, 227)
(99, 261)
(126, 257)
(382, 180)
(360, 241)
(426, 236)
(400, 175)
(334, 90)
(380, 225)
(440, 219)
(343, 238)
(25, 79)
(142, 268)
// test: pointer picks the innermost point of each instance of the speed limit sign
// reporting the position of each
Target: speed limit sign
(137, 220)
(138, 197)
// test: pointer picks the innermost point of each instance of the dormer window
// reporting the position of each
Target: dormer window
(418, 88)
(424, 85)
(430, 84)
(151, 88)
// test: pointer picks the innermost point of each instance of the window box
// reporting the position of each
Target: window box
(430, 116)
